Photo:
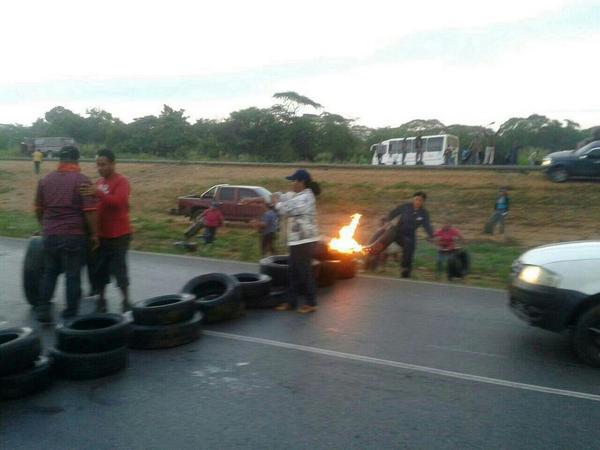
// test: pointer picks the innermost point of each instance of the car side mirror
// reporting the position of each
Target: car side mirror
(583, 156)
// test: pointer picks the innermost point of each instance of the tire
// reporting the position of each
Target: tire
(218, 296)
(195, 213)
(93, 333)
(166, 336)
(19, 348)
(276, 267)
(28, 382)
(346, 269)
(254, 285)
(328, 272)
(559, 174)
(33, 269)
(164, 310)
(586, 337)
(271, 300)
(85, 366)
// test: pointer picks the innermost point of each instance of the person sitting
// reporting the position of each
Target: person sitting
(446, 239)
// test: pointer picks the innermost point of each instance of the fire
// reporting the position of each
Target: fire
(346, 243)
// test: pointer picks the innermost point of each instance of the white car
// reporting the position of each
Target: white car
(557, 287)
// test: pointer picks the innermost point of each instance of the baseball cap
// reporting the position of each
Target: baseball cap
(300, 175)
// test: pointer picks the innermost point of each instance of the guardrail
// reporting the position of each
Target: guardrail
(469, 167)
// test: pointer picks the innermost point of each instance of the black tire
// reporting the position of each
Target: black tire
(346, 268)
(277, 268)
(19, 348)
(218, 296)
(93, 333)
(558, 174)
(166, 336)
(586, 337)
(253, 285)
(28, 382)
(328, 272)
(85, 366)
(271, 300)
(164, 310)
(33, 269)
(195, 213)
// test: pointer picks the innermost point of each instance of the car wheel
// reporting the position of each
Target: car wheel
(19, 348)
(93, 333)
(559, 175)
(27, 382)
(164, 310)
(586, 337)
(218, 296)
(85, 366)
(33, 269)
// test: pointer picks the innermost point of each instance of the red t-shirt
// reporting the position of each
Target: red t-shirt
(213, 218)
(113, 206)
(446, 238)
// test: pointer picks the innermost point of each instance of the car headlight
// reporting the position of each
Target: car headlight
(546, 161)
(540, 276)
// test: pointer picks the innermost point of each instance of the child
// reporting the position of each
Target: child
(446, 239)
(267, 229)
(213, 219)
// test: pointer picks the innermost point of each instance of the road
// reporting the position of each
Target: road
(384, 363)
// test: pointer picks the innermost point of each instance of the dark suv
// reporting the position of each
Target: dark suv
(584, 162)
(227, 197)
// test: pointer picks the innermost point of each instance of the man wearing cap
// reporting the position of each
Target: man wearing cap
(68, 219)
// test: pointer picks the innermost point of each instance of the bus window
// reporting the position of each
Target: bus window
(434, 144)
(394, 147)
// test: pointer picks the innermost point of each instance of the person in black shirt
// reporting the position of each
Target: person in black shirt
(402, 228)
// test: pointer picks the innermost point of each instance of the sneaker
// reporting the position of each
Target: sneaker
(306, 309)
(283, 307)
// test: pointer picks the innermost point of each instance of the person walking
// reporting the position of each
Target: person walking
(66, 217)
(299, 205)
(404, 221)
(501, 207)
(112, 191)
(37, 157)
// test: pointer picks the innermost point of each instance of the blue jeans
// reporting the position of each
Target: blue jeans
(62, 254)
(497, 218)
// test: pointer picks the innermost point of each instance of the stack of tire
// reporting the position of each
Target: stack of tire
(164, 322)
(217, 295)
(257, 292)
(23, 369)
(91, 346)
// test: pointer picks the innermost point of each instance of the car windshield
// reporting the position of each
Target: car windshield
(583, 150)
(264, 193)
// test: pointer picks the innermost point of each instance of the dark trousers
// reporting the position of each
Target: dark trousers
(406, 241)
(111, 259)
(62, 254)
(36, 167)
(302, 278)
(267, 244)
(209, 234)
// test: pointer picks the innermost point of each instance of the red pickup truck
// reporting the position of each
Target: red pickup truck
(228, 199)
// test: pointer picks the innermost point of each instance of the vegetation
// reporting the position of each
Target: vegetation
(295, 128)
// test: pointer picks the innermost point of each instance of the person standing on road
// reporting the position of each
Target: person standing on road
(501, 207)
(37, 161)
(404, 221)
(299, 206)
(65, 216)
(114, 229)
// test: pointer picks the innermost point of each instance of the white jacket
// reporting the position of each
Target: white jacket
(301, 211)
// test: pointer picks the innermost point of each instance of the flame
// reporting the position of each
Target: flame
(346, 243)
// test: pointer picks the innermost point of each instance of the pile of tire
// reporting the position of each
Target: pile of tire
(23, 369)
(217, 295)
(164, 322)
(91, 346)
(277, 268)
(257, 291)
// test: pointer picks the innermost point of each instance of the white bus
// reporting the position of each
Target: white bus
(390, 152)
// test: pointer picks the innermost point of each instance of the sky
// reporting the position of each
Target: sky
(381, 63)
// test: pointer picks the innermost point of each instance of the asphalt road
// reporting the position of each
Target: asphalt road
(383, 364)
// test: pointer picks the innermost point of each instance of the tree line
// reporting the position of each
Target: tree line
(295, 128)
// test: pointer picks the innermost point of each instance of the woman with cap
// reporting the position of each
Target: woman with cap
(299, 205)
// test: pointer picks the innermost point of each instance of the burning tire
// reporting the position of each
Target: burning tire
(328, 272)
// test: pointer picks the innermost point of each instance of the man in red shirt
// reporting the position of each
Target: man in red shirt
(66, 217)
(213, 219)
(114, 229)
(446, 239)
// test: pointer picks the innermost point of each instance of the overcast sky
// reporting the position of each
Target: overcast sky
(380, 62)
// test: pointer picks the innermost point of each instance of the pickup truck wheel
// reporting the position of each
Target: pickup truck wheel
(559, 175)
(586, 337)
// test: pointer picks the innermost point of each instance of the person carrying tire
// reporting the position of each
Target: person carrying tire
(299, 206)
(63, 214)
(402, 228)
(114, 229)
